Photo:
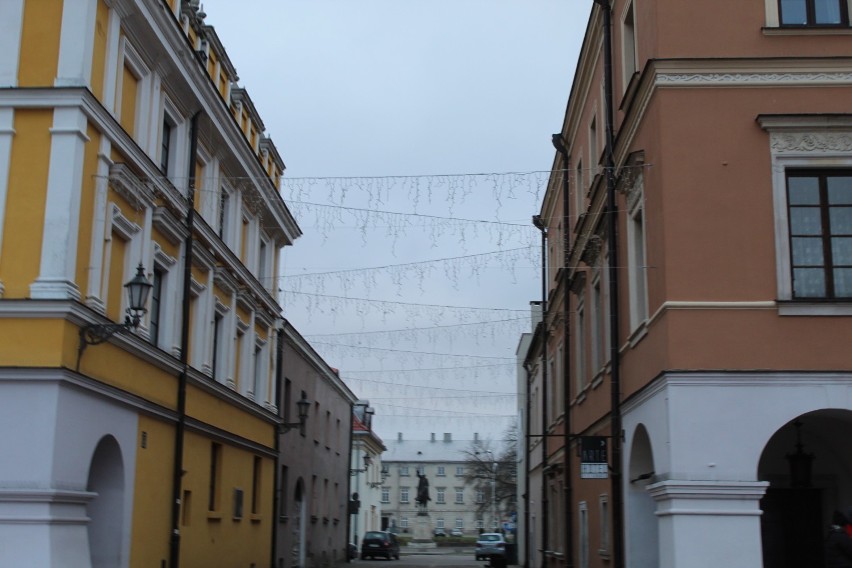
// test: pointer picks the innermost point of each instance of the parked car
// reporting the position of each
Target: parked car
(491, 547)
(456, 532)
(379, 544)
(440, 532)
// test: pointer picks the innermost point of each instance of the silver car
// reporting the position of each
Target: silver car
(491, 546)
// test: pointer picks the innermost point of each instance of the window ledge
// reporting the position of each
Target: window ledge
(214, 516)
(806, 30)
(255, 518)
(799, 308)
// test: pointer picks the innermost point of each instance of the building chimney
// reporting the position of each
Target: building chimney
(433, 436)
(399, 436)
(448, 437)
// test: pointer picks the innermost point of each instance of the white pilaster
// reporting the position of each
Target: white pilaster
(696, 517)
(11, 29)
(76, 43)
(7, 133)
(96, 252)
(62, 207)
(113, 52)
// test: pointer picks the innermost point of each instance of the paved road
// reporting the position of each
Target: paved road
(424, 560)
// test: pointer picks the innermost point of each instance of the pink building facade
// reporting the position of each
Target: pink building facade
(706, 337)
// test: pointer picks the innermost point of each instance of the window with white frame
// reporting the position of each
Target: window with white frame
(219, 356)
(479, 523)
(439, 523)
(806, 13)
(259, 371)
(637, 273)
(403, 470)
(385, 494)
(584, 534)
(603, 501)
(441, 471)
(629, 65)
(812, 199)
(480, 496)
(403, 494)
(459, 523)
(459, 495)
(155, 313)
(580, 344)
(403, 522)
(440, 495)
(459, 470)
(225, 214)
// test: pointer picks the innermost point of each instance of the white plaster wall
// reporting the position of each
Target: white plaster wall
(51, 429)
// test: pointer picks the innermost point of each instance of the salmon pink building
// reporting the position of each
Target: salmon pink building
(697, 235)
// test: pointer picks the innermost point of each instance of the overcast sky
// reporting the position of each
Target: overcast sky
(412, 278)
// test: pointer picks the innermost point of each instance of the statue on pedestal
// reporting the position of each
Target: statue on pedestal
(422, 493)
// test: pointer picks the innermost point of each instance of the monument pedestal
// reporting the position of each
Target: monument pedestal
(422, 532)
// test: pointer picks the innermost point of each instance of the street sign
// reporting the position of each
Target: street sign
(593, 458)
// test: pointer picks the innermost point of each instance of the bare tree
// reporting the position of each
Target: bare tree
(492, 472)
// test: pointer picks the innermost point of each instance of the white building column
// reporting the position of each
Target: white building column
(7, 133)
(11, 30)
(707, 524)
(76, 44)
(62, 208)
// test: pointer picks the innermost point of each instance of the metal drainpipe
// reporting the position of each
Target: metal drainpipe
(349, 482)
(541, 226)
(528, 422)
(177, 472)
(615, 371)
(276, 495)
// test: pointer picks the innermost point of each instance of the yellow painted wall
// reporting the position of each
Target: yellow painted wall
(32, 342)
(22, 233)
(40, 43)
(129, 88)
(220, 413)
(89, 185)
(208, 538)
(99, 53)
(152, 495)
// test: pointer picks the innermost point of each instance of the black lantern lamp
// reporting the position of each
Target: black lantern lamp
(303, 405)
(801, 462)
(367, 462)
(137, 298)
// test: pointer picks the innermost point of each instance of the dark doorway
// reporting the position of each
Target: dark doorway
(791, 528)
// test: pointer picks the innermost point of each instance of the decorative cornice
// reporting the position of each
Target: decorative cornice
(811, 142)
(592, 251)
(754, 79)
(165, 222)
(128, 185)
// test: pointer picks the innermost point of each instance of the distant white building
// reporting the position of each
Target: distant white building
(453, 505)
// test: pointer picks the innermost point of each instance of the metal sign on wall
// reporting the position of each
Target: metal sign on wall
(593, 458)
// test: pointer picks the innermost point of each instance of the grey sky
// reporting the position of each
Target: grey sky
(379, 88)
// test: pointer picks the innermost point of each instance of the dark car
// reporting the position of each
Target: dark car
(379, 544)
(440, 532)
(491, 547)
(353, 551)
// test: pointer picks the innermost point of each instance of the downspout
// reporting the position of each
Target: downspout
(528, 423)
(177, 472)
(567, 479)
(612, 265)
(276, 495)
(349, 483)
(541, 226)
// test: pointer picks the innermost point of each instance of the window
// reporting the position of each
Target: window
(580, 345)
(403, 494)
(813, 12)
(282, 511)
(165, 146)
(440, 523)
(459, 471)
(385, 494)
(629, 65)
(459, 523)
(403, 470)
(225, 215)
(440, 495)
(584, 535)
(480, 524)
(441, 471)
(215, 477)
(480, 496)
(403, 522)
(637, 273)
(593, 141)
(255, 485)
(820, 217)
(604, 504)
(218, 354)
(459, 495)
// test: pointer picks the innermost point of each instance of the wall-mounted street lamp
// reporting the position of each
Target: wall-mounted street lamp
(385, 475)
(137, 297)
(303, 405)
(367, 462)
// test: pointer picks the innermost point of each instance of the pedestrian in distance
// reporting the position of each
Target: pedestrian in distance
(838, 544)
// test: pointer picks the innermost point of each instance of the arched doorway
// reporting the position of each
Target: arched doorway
(298, 536)
(643, 532)
(808, 464)
(106, 511)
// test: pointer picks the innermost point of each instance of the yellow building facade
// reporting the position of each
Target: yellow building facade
(125, 141)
